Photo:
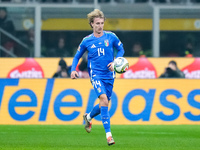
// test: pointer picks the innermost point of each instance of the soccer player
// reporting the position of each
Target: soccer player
(100, 46)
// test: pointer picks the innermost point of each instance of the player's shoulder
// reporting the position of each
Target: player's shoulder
(110, 33)
(88, 37)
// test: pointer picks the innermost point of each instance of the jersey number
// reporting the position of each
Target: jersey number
(101, 51)
(96, 83)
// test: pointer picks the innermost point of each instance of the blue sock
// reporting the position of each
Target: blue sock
(105, 117)
(95, 111)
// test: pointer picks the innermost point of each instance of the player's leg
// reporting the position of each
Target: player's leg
(108, 84)
(105, 117)
(88, 117)
(96, 109)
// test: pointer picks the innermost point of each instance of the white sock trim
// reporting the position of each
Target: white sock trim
(89, 118)
(108, 134)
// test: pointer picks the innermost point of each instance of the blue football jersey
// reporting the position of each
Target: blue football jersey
(100, 54)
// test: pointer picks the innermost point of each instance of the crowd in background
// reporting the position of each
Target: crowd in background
(65, 43)
(6, 25)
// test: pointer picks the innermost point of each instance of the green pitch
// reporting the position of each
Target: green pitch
(127, 137)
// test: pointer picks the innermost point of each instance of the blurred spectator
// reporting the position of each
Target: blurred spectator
(189, 49)
(7, 25)
(60, 50)
(28, 39)
(172, 71)
(192, 48)
(63, 70)
(137, 50)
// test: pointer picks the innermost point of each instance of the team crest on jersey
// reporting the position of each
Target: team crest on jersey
(106, 43)
(99, 90)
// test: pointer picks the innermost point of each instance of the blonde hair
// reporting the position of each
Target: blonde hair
(96, 13)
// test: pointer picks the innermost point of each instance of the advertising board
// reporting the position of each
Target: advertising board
(64, 101)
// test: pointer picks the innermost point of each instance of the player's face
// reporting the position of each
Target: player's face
(97, 25)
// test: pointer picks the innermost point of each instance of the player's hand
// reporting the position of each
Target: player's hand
(110, 66)
(74, 74)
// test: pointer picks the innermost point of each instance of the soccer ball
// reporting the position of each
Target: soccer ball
(120, 65)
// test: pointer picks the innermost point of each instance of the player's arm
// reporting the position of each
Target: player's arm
(79, 53)
(74, 73)
(120, 52)
(119, 46)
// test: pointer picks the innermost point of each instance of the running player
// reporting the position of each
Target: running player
(100, 46)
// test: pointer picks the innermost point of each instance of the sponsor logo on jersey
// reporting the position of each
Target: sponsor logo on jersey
(93, 46)
(119, 43)
(29, 69)
(106, 43)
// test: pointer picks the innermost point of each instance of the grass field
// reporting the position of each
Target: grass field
(127, 137)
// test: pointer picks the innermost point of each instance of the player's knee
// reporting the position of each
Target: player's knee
(103, 100)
